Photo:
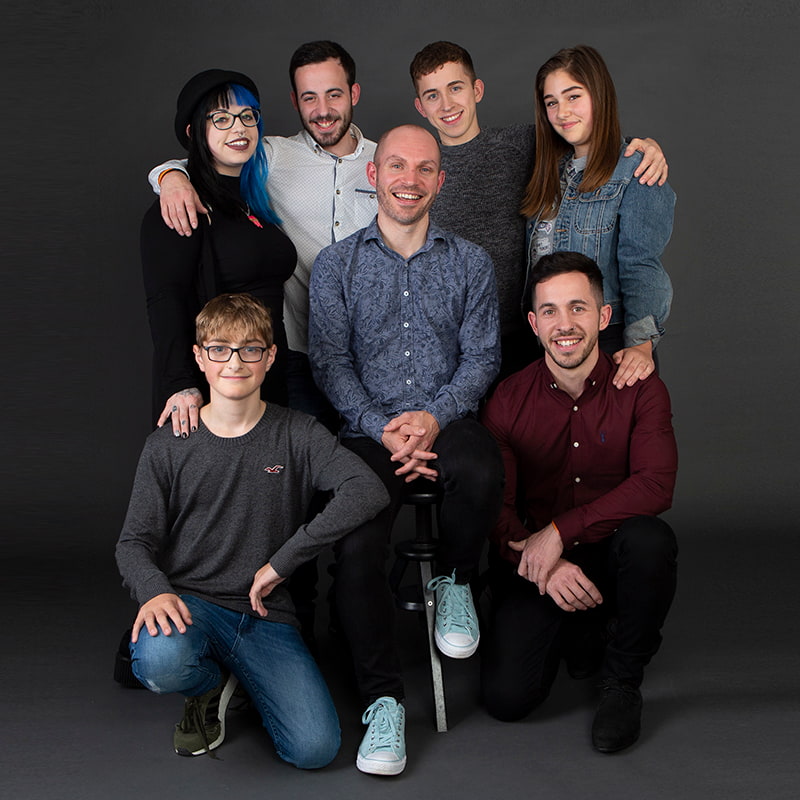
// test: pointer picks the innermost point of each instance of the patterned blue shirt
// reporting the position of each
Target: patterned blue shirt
(389, 334)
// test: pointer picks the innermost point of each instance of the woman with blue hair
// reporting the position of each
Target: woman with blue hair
(240, 247)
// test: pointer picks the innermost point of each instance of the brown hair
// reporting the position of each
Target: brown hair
(436, 55)
(234, 316)
(586, 66)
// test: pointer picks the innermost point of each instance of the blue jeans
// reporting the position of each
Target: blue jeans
(271, 662)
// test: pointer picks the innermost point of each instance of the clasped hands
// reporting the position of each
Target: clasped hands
(564, 582)
(410, 437)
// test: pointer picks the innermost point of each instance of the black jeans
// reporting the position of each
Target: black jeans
(471, 478)
(635, 570)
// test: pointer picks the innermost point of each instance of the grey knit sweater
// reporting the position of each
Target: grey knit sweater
(207, 512)
(485, 179)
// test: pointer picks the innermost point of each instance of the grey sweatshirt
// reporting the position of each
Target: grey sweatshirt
(485, 179)
(207, 512)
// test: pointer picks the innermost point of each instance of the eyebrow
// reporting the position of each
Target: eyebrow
(577, 301)
(569, 89)
(309, 93)
(458, 82)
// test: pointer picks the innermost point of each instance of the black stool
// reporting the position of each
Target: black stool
(412, 597)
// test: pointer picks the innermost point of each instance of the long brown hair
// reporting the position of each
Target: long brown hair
(586, 66)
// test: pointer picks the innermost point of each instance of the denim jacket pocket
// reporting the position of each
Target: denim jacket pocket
(596, 211)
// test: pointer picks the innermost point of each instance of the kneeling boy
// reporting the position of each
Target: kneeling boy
(216, 522)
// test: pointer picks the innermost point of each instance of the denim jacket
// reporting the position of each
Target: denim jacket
(624, 227)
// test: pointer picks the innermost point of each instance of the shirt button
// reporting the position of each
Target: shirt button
(408, 382)
(336, 224)
(405, 324)
(405, 294)
(408, 352)
(577, 480)
(575, 444)
(574, 408)
(339, 160)
(575, 544)
(338, 191)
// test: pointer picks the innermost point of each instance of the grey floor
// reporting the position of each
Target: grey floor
(721, 715)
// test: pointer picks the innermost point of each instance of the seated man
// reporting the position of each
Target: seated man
(404, 340)
(216, 522)
(590, 572)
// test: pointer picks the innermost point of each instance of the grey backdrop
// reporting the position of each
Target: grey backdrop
(715, 83)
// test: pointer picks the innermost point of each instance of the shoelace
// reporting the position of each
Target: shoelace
(385, 732)
(451, 604)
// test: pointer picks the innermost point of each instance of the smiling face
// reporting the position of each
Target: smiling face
(232, 148)
(325, 103)
(234, 379)
(567, 317)
(448, 99)
(569, 109)
(406, 174)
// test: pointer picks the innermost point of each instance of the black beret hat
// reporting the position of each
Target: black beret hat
(197, 88)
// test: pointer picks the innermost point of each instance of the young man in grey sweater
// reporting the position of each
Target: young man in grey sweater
(216, 523)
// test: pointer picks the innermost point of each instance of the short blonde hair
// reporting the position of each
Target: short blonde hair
(230, 316)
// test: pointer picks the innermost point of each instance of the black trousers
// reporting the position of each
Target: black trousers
(471, 478)
(635, 570)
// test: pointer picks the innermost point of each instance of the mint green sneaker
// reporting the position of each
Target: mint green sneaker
(456, 633)
(202, 728)
(383, 749)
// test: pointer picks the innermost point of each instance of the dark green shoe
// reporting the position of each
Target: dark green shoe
(202, 728)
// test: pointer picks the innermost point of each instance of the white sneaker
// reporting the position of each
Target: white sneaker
(383, 749)
(457, 634)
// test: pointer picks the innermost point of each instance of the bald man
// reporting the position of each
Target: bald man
(404, 339)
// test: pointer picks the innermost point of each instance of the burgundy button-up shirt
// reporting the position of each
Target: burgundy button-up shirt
(585, 465)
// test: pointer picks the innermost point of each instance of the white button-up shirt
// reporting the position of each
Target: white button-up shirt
(320, 198)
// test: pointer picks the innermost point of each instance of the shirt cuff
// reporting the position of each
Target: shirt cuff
(641, 331)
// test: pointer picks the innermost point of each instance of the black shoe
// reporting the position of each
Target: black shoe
(618, 720)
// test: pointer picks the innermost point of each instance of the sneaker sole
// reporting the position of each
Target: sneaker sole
(451, 650)
(372, 767)
(224, 700)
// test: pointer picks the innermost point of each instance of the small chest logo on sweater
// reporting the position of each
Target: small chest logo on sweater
(274, 470)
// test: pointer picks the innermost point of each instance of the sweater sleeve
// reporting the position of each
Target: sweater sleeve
(170, 266)
(145, 528)
(357, 496)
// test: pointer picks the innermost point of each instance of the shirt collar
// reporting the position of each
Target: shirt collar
(354, 132)
(599, 376)
(434, 232)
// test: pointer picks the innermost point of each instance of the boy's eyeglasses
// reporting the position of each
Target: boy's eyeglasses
(222, 352)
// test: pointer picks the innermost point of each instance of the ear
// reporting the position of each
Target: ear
(294, 99)
(270, 356)
(198, 357)
(478, 88)
(418, 106)
(532, 322)
(605, 316)
(188, 131)
(355, 93)
(372, 171)
(440, 181)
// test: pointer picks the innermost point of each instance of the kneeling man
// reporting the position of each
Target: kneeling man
(589, 571)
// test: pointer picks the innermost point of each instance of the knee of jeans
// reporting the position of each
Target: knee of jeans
(510, 704)
(163, 664)
(313, 752)
(508, 697)
(645, 541)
